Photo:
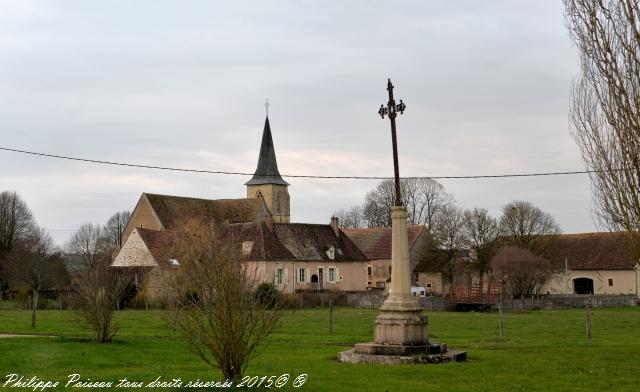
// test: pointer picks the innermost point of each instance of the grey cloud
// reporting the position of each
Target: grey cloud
(161, 82)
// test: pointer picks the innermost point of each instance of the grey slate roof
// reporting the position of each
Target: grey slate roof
(310, 242)
(172, 210)
(267, 170)
(266, 245)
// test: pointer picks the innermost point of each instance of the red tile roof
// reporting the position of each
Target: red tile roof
(375, 242)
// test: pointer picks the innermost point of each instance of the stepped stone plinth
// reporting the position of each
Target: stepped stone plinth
(400, 330)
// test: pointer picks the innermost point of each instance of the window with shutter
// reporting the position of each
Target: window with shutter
(279, 276)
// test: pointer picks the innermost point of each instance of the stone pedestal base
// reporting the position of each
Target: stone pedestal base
(400, 328)
(400, 331)
(401, 337)
(352, 356)
(392, 349)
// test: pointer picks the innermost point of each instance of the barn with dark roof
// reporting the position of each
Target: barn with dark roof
(595, 263)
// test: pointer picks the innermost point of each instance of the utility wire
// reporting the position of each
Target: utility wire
(294, 175)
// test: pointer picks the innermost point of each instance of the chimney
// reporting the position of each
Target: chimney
(334, 225)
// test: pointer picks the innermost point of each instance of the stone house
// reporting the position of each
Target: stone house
(294, 256)
(376, 244)
(302, 257)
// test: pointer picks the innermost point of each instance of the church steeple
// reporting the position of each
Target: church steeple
(267, 182)
(267, 170)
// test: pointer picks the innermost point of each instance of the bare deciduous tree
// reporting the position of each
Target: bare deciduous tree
(521, 272)
(423, 198)
(352, 218)
(33, 262)
(114, 228)
(86, 247)
(16, 220)
(480, 236)
(524, 225)
(448, 236)
(220, 317)
(96, 291)
(605, 110)
(16, 223)
(96, 287)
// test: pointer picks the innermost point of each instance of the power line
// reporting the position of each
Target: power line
(40, 154)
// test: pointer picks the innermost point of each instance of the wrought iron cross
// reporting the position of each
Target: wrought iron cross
(392, 110)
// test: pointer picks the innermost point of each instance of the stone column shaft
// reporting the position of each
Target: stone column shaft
(400, 297)
(400, 265)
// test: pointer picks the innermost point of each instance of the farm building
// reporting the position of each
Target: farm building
(596, 263)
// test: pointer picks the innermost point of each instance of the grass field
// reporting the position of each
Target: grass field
(542, 351)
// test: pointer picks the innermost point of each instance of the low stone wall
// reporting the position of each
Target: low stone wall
(374, 300)
(571, 301)
(361, 299)
(435, 303)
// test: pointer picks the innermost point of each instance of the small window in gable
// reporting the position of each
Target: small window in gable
(246, 247)
(258, 194)
(610, 282)
(331, 253)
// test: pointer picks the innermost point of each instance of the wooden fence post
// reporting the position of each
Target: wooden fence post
(500, 322)
(587, 322)
(331, 318)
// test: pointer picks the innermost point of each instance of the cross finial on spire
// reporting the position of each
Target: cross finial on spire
(266, 106)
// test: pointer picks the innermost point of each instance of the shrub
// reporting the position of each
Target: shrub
(266, 294)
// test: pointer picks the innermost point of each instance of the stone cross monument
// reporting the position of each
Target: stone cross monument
(401, 322)
(400, 332)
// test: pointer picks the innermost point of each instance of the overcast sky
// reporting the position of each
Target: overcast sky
(183, 83)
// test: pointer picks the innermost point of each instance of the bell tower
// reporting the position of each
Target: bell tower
(267, 182)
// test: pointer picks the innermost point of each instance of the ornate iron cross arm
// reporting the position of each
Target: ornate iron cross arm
(392, 110)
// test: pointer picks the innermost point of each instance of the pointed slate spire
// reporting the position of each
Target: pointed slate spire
(267, 171)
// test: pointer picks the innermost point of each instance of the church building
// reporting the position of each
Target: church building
(293, 256)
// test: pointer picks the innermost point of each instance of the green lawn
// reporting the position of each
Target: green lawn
(543, 351)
